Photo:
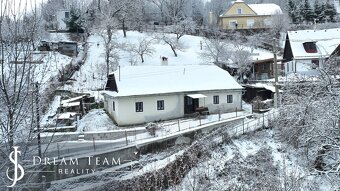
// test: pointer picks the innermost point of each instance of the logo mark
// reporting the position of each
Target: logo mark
(14, 160)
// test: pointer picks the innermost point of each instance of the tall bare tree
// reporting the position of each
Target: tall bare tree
(128, 13)
(310, 118)
(216, 50)
(143, 48)
(172, 41)
(20, 111)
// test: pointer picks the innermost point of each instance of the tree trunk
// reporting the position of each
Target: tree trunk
(99, 7)
(11, 132)
(173, 50)
(141, 56)
(124, 29)
(107, 65)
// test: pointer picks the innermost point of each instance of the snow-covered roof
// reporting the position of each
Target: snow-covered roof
(266, 9)
(67, 115)
(71, 104)
(326, 42)
(57, 37)
(71, 100)
(265, 86)
(148, 80)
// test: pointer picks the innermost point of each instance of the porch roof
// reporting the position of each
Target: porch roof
(195, 96)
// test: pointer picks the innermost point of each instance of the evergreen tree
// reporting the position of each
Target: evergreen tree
(74, 23)
(293, 11)
(306, 12)
(330, 11)
(319, 13)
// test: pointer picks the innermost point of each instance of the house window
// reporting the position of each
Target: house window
(250, 23)
(113, 106)
(229, 98)
(139, 106)
(315, 64)
(216, 99)
(189, 101)
(239, 11)
(268, 22)
(67, 15)
(233, 24)
(287, 67)
(160, 105)
(310, 47)
(292, 68)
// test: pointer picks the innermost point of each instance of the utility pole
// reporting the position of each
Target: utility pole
(38, 115)
(276, 96)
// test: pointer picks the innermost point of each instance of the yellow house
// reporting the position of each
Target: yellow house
(249, 16)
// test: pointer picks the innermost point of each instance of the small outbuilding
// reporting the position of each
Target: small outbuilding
(307, 50)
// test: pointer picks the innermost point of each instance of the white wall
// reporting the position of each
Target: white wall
(301, 66)
(60, 19)
(125, 111)
(223, 106)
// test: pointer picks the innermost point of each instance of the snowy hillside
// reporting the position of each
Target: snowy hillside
(92, 75)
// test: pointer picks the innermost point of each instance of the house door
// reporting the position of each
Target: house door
(190, 105)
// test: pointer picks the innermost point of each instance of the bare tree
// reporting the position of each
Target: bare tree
(216, 50)
(279, 24)
(241, 57)
(174, 10)
(172, 41)
(160, 4)
(128, 13)
(182, 27)
(111, 49)
(143, 48)
(20, 93)
(170, 11)
(309, 118)
(217, 7)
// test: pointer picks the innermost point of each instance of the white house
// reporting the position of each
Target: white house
(62, 15)
(141, 94)
(306, 50)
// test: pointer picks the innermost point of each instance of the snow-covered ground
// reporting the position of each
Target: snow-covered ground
(96, 120)
(254, 161)
(92, 75)
(228, 166)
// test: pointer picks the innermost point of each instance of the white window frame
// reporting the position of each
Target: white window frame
(232, 24)
(67, 14)
(229, 98)
(160, 104)
(239, 11)
(216, 99)
(139, 106)
(250, 24)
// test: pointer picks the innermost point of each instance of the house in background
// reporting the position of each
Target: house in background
(307, 50)
(264, 69)
(62, 16)
(68, 48)
(141, 94)
(249, 16)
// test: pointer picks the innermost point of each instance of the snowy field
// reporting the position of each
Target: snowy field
(91, 78)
